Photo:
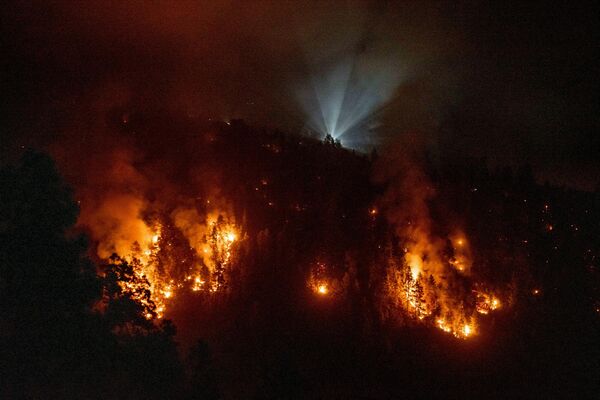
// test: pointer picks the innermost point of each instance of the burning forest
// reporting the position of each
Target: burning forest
(234, 234)
(253, 200)
(191, 233)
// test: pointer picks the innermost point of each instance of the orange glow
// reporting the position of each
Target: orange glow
(420, 285)
(319, 281)
(443, 326)
(467, 330)
(198, 284)
(487, 302)
(212, 241)
(416, 264)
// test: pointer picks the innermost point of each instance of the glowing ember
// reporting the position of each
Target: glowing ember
(467, 330)
(168, 293)
(443, 326)
(487, 302)
(198, 284)
(319, 281)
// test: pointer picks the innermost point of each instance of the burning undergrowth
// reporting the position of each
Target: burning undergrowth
(430, 274)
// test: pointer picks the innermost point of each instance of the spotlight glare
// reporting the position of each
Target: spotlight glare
(343, 100)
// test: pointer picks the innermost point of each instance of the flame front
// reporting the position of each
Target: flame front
(424, 283)
(155, 260)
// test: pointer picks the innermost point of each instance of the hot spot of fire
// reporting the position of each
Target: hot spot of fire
(322, 288)
(422, 284)
(467, 330)
(486, 302)
(319, 280)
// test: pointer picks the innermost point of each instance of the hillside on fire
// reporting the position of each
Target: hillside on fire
(162, 256)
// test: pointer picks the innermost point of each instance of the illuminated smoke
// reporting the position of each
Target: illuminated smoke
(131, 206)
(352, 76)
(433, 282)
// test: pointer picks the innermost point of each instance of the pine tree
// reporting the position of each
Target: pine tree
(407, 284)
(329, 140)
(47, 286)
(419, 298)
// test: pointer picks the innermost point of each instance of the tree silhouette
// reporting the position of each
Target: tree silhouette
(47, 285)
(127, 296)
(146, 355)
(53, 344)
(419, 298)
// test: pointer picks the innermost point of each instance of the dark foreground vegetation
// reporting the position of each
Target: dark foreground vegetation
(68, 332)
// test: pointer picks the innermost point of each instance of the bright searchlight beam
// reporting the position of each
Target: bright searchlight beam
(343, 97)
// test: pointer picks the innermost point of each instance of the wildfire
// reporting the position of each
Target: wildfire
(461, 331)
(193, 248)
(212, 242)
(421, 284)
(443, 326)
(461, 259)
(486, 302)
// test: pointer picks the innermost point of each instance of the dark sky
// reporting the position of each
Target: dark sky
(512, 82)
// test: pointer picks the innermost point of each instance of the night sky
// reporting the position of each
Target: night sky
(511, 82)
